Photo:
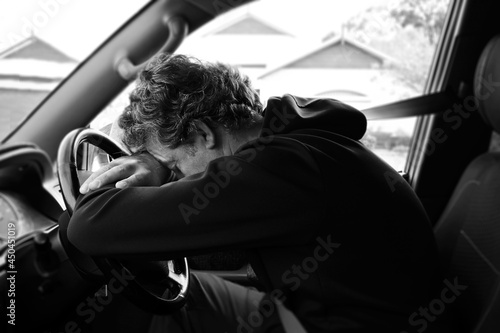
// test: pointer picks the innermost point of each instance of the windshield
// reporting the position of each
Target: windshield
(42, 41)
(364, 53)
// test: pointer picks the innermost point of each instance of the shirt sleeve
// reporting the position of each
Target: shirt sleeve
(265, 195)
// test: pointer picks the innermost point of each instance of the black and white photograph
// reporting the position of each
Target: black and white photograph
(250, 166)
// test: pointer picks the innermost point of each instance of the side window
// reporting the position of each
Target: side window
(105, 119)
(364, 53)
(390, 139)
(42, 42)
(407, 32)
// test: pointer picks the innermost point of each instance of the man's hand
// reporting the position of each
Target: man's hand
(136, 170)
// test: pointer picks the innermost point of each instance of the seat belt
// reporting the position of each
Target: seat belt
(288, 319)
(416, 106)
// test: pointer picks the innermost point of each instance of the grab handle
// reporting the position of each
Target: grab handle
(177, 31)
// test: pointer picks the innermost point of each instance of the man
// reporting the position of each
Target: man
(333, 232)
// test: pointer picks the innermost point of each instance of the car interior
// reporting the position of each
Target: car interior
(453, 165)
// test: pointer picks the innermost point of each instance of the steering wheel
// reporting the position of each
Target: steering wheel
(158, 287)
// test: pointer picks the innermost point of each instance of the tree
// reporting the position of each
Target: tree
(427, 15)
(408, 31)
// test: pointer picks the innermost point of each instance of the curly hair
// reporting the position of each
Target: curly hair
(175, 91)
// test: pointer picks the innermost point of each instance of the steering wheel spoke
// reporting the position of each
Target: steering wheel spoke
(179, 278)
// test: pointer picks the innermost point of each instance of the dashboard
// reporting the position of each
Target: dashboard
(18, 219)
(42, 282)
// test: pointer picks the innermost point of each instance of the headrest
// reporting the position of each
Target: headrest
(487, 84)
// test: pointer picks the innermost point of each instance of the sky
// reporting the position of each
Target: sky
(78, 26)
(74, 26)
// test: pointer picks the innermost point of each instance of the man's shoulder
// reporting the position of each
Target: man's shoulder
(289, 113)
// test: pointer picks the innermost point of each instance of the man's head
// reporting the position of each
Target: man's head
(186, 112)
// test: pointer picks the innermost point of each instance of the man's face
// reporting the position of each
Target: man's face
(185, 160)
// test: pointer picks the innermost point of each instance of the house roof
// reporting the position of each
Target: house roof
(29, 70)
(339, 52)
(35, 48)
(245, 40)
(247, 24)
(33, 64)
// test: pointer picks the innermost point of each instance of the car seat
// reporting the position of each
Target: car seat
(468, 232)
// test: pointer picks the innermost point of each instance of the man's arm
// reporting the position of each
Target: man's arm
(269, 198)
(136, 170)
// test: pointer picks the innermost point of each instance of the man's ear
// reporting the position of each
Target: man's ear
(207, 135)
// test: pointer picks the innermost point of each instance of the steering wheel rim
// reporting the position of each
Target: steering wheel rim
(175, 272)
